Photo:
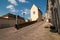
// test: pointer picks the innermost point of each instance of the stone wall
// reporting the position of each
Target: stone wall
(9, 22)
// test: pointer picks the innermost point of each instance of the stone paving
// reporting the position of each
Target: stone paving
(35, 31)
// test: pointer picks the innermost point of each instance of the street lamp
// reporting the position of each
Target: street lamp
(24, 14)
(16, 22)
(16, 19)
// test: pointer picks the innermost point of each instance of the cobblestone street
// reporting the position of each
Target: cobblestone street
(35, 31)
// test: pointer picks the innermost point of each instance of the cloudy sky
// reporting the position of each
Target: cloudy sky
(21, 6)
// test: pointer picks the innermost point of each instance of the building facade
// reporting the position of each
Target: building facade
(10, 20)
(35, 13)
(48, 14)
(58, 7)
(53, 11)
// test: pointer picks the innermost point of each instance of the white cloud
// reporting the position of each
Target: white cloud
(13, 2)
(23, 1)
(11, 7)
(26, 11)
(13, 10)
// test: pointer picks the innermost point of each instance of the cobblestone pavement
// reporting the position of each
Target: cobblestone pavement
(35, 31)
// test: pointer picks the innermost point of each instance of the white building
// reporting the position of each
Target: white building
(35, 13)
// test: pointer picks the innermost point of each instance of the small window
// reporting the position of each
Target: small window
(34, 12)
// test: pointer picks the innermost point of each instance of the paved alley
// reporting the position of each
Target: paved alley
(35, 31)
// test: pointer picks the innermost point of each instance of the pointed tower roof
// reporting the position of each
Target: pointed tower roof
(34, 6)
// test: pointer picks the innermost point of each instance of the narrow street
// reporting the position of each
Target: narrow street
(30, 20)
(35, 31)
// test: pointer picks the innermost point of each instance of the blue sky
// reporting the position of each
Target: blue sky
(20, 6)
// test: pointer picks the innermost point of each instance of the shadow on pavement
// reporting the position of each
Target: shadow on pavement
(24, 25)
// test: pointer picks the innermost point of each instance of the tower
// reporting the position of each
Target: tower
(35, 13)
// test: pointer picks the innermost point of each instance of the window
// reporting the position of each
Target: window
(34, 12)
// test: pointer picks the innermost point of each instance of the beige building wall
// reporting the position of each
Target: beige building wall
(48, 14)
(34, 13)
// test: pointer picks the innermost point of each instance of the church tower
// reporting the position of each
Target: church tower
(35, 13)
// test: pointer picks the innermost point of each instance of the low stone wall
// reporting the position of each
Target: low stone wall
(24, 24)
(5, 23)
